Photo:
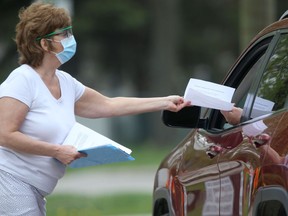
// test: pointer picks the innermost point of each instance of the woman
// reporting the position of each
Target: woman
(38, 104)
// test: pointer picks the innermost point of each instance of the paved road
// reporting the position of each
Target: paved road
(107, 181)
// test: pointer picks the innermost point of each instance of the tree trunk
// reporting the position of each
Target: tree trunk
(254, 16)
(163, 68)
(163, 64)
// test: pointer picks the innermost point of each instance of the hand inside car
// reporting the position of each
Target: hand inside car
(233, 117)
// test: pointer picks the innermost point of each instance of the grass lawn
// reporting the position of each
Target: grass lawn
(129, 204)
(112, 205)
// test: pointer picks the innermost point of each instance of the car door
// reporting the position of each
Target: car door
(207, 180)
(236, 181)
(271, 197)
(207, 186)
(247, 148)
(224, 140)
(222, 169)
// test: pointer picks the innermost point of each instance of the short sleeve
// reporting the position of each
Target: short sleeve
(79, 89)
(17, 86)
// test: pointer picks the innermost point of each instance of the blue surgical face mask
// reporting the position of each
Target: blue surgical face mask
(69, 49)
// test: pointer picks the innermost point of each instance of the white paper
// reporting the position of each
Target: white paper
(209, 95)
(83, 138)
(254, 129)
(98, 148)
(261, 107)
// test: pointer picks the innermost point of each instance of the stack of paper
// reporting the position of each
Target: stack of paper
(99, 149)
(209, 95)
(254, 129)
(261, 107)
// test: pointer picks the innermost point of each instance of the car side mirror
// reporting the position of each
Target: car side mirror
(188, 117)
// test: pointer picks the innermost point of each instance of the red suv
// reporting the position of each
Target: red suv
(223, 169)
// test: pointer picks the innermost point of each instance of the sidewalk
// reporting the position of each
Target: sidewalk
(110, 181)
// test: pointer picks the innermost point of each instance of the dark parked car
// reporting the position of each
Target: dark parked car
(222, 169)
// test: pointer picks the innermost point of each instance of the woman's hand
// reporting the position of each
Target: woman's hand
(66, 154)
(176, 103)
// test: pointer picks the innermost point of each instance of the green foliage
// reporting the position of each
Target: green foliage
(210, 31)
(113, 15)
(9, 18)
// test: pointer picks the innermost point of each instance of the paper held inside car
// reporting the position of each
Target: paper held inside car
(210, 95)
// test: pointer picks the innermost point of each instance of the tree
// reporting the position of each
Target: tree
(254, 16)
(9, 18)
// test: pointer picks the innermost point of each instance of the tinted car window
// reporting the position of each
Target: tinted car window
(272, 92)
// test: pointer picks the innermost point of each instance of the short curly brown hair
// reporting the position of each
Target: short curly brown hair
(37, 20)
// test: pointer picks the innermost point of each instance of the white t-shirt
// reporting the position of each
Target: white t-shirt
(48, 120)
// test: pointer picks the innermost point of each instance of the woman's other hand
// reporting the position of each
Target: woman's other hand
(66, 154)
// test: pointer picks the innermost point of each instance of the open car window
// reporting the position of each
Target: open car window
(241, 79)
